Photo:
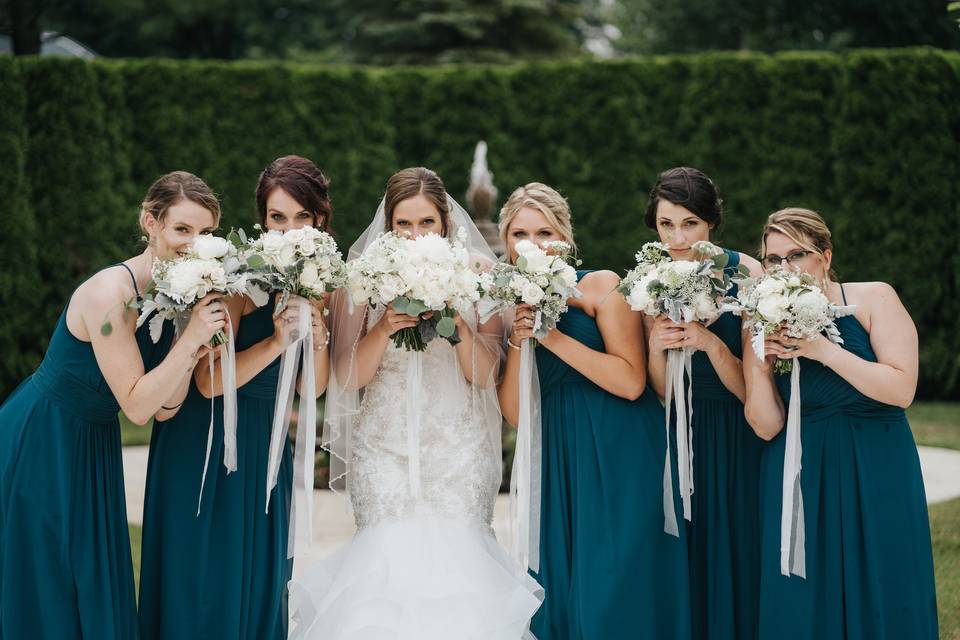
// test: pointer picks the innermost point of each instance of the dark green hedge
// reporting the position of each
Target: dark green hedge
(868, 138)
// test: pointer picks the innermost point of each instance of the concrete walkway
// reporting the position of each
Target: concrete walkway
(333, 523)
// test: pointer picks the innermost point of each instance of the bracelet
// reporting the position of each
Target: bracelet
(324, 345)
(170, 408)
(513, 346)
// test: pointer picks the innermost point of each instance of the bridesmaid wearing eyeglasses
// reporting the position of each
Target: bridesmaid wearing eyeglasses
(868, 561)
(723, 534)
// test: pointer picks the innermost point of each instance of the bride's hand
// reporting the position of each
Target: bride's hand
(391, 322)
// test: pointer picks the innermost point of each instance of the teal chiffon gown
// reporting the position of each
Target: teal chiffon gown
(869, 563)
(65, 565)
(723, 535)
(224, 573)
(606, 565)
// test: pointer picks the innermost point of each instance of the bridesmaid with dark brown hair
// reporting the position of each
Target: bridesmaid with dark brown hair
(224, 573)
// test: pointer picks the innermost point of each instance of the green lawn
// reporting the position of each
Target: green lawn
(136, 536)
(936, 424)
(133, 434)
(945, 531)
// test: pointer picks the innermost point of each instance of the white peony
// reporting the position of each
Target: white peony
(773, 307)
(768, 286)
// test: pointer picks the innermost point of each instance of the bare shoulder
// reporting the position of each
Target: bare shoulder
(104, 289)
(599, 282)
(874, 295)
(599, 291)
(751, 263)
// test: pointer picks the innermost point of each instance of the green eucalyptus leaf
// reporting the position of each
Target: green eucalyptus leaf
(446, 327)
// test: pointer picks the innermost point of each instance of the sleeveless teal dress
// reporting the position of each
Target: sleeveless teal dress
(723, 535)
(606, 565)
(65, 565)
(869, 562)
(224, 573)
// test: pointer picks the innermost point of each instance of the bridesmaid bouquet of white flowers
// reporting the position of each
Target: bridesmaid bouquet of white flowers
(683, 290)
(542, 278)
(789, 303)
(304, 262)
(211, 264)
(416, 275)
(301, 262)
(794, 304)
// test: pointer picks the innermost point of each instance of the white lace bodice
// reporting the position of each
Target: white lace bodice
(460, 468)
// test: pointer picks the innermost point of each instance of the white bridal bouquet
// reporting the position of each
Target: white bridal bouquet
(792, 304)
(542, 278)
(789, 303)
(416, 275)
(684, 291)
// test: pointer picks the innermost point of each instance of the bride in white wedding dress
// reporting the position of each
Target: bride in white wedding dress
(414, 439)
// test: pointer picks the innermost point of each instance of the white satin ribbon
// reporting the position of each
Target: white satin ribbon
(301, 504)
(525, 476)
(228, 375)
(679, 361)
(792, 535)
(414, 384)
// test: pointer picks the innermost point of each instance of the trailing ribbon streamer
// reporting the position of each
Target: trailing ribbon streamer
(792, 535)
(525, 477)
(301, 510)
(679, 362)
(228, 374)
(414, 383)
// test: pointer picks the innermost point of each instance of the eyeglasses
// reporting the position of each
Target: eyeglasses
(774, 260)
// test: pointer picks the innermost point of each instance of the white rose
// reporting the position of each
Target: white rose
(524, 246)
(532, 294)
(294, 236)
(811, 303)
(310, 276)
(638, 298)
(538, 260)
(208, 247)
(768, 286)
(390, 287)
(569, 276)
(287, 256)
(518, 284)
(272, 241)
(705, 307)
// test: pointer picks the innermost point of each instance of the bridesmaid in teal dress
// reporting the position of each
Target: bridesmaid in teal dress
(224, 573)
(606, 565)
(869, 565)
(723, 535)
(65, 564)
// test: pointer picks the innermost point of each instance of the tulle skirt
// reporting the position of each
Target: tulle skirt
(420, 578)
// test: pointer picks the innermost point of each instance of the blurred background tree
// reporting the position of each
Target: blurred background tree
(441, 31)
